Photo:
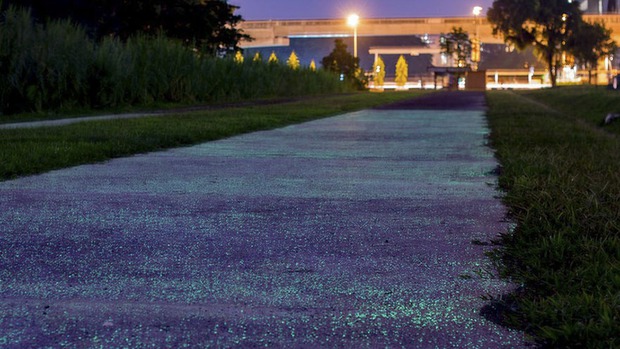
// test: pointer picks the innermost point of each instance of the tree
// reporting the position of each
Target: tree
(402, 71)
(589, 44)
(293, 61)
(82, 12)
(207, 25)
(239, 57)
(312, 65)
(544, 24)
(273, 59)
(379, 69)
(340, 61)
(457, 46)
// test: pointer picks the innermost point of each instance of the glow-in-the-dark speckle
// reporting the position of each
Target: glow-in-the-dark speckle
(352, 231)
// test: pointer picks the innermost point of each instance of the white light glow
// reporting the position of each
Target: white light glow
(353, 20)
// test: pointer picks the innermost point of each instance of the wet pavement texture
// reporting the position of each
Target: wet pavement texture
(352, 231)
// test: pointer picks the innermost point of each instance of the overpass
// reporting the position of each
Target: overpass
(278, 32)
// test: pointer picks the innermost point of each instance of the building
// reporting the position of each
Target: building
(599, 6)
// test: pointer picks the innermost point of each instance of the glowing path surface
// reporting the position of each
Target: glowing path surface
(353, 231)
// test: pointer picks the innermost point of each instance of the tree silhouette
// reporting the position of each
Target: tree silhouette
(544, 24)
(341, 61)
(457, 46)
(207, 25)
(589, 44)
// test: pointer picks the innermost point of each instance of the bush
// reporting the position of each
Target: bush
(56, 67)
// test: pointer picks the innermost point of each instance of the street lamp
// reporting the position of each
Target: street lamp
(353, 20)
(476, 49)
(477, 11)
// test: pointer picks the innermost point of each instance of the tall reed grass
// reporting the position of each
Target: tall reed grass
(56, 66)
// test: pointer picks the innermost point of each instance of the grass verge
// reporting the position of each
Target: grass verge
(30, 151)
(587, 103)
(562, 181)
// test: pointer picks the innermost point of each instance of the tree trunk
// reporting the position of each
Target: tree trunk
(552, 70)
(589, 76)
(551, 66)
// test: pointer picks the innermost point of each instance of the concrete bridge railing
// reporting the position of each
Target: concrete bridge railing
(278, 32)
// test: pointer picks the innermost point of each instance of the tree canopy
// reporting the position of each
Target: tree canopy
(402, 71)
(457, 46)
(379, 72)
(207, 25)
(546, 25)
(589, 44)
(341, 61)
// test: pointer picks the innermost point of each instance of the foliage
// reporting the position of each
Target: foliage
(239, 57)
(457, 46)
(208, 25)
(340, 61)
(257, 57)
(273, 59)
(379, 72)
(312, 65)
(589, 44)
(402, 71)
(56, 67)
(41, 68)
(82, 12)
(544, 24)
(30, 151)
(293, 61)
(562, 181)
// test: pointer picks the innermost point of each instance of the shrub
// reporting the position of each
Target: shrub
(56, 67)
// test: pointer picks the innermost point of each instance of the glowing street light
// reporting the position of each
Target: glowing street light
(477, 11)
(353, 20)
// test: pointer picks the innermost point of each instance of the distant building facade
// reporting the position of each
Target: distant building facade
(599, 6)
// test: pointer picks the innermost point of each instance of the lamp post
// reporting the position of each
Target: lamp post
(353, 20)
(476, 49)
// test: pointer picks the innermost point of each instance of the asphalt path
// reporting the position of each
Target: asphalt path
(354, 231)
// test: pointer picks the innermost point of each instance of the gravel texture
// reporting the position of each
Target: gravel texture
(353, 231)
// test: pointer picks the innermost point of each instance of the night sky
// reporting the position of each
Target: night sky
(325, 9)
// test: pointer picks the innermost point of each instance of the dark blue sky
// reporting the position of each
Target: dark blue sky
(324, 9)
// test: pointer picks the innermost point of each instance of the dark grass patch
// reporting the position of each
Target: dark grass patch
(561, 175)
(30, 151)
(588, 103)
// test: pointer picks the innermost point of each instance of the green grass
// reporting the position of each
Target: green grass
(561, 174)
(586, 103)
(155, 106)
(30, 151)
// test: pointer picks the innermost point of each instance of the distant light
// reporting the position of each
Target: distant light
(314, 36)
(353, 20)
(477, 11)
